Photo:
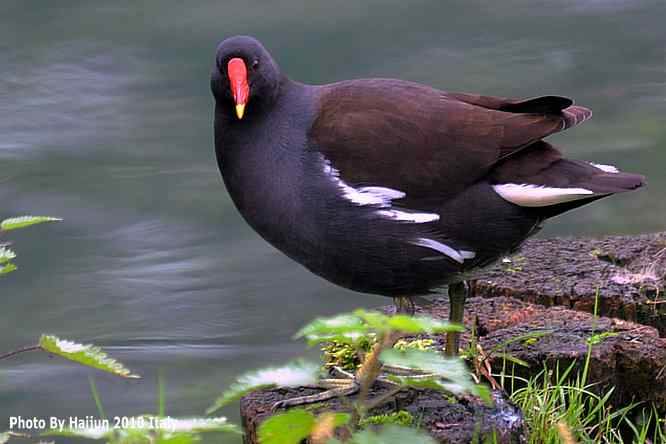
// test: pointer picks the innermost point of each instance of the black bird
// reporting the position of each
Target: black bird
(392, 187)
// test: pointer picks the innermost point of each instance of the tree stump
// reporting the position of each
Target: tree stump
(448, 420)
(627, 356)
(627, 274)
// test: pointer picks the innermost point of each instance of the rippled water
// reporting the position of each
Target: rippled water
(106, 121)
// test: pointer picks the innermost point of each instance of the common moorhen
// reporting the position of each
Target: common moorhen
(388, 186)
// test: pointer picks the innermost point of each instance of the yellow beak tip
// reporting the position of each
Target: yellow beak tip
(240, 110)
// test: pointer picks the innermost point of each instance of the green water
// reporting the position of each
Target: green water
(105, 120)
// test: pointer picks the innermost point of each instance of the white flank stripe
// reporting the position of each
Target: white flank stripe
(467, 254)
(440, 247)
(387, 194)
(370, 195)
(605, 168)
(419, 218)
(530, 195)
(378, 197)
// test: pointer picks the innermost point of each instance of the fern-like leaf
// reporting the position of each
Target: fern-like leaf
(295, 374)
(291, 427)
(6, 255)
(88, 355)
(15, 223)
(351, 327)
(6, 436)
(7, 268)
(448, 374)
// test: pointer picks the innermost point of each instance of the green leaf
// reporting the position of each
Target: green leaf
(349, 328)
(341, 328)
(430, 383)
(176, 438)
(6, 436)
(374, 320)
(406, 324)
(451, 373)
(426, 360)
(294, 374)
(340, 419)
(291, 427)
(7, 268)
(6, 255)
(392, 435)
(421, 324)
(88, 355)
(353, 339)
(25, 221)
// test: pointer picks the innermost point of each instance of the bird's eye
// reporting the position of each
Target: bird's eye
(255, 64)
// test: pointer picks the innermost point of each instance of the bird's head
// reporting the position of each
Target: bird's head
(245, 78)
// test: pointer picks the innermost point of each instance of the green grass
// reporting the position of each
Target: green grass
(562, 406)
(559, 405)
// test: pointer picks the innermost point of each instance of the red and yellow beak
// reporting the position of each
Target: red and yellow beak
(239, 88)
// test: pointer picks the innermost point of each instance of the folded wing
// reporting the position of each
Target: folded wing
(424, 142)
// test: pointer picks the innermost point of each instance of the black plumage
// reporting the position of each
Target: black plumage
(392, 187)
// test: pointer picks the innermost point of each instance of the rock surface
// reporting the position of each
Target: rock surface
(447, 421)
(627, 356)
(627, 272)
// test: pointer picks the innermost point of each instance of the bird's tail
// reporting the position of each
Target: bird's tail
(540, 178)
(575, 115)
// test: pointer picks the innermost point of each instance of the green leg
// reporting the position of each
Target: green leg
(457, 294)
(404, 305)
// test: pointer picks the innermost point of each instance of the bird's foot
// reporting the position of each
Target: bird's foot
(404, 305)
(347, 384)
(343, 390)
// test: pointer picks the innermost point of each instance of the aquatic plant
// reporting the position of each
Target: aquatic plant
(7, 255)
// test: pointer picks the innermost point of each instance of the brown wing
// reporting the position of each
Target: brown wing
(417, 139)
(544, 104)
